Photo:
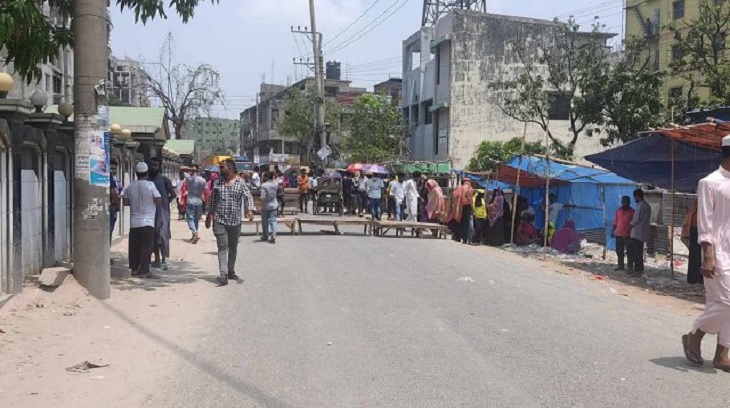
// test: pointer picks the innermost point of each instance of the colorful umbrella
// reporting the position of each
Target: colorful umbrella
(355, 167)
(375, 168)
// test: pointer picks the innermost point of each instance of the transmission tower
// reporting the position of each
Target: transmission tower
(434, 9)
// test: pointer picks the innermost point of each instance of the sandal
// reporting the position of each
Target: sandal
(692, 358)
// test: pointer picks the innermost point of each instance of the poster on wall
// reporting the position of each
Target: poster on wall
(99, 158)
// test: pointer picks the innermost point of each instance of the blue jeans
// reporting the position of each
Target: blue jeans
(268, 223)
(194, 212)
(398, 211)
(375, 208)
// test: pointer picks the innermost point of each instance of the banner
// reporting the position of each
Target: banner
(99, 152)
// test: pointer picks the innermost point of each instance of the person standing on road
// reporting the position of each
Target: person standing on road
(303, 186)
(713, 224)
(347, 192)
(622, 231)
(228, 198)
(269, 207)
(412, 196)
(115, 194)
(196, 186)
(313, 189)
(256, 178)
(143, 199)
(362, 195)
(162, 218)
(435, 209)
(374, 186)
(639, 233)
(398, 194)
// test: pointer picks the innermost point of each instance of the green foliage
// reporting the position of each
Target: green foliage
(703, 45)
(489, 154)
(376, 131)
(299, 119)
(624, 95)
(30, 38)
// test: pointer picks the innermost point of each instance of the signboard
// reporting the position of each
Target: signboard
(99, 158)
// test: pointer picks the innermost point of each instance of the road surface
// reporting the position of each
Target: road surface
(348, 321)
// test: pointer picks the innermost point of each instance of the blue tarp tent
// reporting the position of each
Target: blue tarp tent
(483, 182)
(594, 193)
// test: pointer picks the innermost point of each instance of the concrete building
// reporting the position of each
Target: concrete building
(650, 19)
(126, 83)
(56, 75)
(214, 135)
(393, 88)
(260, 123)
(448, 70)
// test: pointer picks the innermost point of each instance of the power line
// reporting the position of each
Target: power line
(373, 24)
(354, 22)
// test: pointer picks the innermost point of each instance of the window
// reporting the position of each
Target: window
(677, 53)
(57, 83)
(427, 111)
(678, 9)
(675, 93)
(438, 65)
(559, 107)
(48, 87)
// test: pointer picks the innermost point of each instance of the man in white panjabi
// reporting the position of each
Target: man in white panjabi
(713, 223)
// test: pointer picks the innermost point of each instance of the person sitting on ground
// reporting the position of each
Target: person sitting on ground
(526, 233)
(567, 239)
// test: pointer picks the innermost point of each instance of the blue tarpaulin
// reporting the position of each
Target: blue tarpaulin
(649, 160)
(483, 182)
(594, 194)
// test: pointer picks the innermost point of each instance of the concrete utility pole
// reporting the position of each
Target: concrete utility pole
(91, 200)
(318, 78)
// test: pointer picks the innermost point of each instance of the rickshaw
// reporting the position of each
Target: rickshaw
(329, 193)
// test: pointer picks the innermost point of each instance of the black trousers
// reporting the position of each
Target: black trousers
(141, 243)
(636, 254)
(622, 248)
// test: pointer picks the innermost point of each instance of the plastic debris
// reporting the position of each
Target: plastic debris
(84, 367)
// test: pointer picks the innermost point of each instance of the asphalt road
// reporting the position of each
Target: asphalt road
(347, 321)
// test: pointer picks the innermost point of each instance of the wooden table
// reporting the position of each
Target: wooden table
(290, 223)
(336, 223)
(380, 228)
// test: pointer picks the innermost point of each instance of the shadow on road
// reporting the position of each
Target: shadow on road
(201, 363)
(179, 272)
(680, 364)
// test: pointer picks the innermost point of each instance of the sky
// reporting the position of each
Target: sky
(250, 41)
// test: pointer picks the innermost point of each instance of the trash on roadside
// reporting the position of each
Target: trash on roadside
(84, 367)
(70, 314)
(600, 277)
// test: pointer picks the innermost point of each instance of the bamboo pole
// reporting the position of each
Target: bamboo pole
(547, 193)
(671, 227)
(515, 191)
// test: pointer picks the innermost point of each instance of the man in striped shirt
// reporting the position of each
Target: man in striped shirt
(227, 201)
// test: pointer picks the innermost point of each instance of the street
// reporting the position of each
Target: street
(354, 321)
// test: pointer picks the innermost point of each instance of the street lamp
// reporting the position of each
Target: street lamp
(39, 99)
(126, 133)
(6, 84)
(65, 109)
(115, 129)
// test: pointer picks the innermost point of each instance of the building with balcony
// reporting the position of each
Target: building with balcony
(126, 83)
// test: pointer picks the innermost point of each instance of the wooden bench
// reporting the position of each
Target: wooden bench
(336, 223)
(380, 228)
(290, 223)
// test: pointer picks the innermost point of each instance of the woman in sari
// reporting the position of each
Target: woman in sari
(461, 211)
(436, 205)
(495, 229)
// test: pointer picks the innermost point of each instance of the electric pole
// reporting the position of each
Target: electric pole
(319, 80)
(91, 198)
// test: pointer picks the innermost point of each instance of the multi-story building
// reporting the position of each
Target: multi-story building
(448, 96)
(393, 88)
(126, 83)
(650, 20)
(213, 135)
(56, 76)
(260, 124)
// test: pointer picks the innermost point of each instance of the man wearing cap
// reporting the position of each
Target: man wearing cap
(713, 224)
(142, 198)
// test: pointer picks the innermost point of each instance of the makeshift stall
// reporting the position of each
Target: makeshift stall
(593, 195)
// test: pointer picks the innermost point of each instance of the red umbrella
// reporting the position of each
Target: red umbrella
(355, 167)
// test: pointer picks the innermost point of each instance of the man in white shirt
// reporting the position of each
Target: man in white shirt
(398, 192)
(713, 224)
(411, 191)
(142, 197)
(256, 178)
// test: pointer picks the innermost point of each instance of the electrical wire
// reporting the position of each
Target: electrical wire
(354, 22)
(372, 25)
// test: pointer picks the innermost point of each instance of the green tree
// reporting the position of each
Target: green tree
(489, 154)
(625, 93)
(553, 68)
(29, 37)
(376, 131)
(299, 119)
(700, 53)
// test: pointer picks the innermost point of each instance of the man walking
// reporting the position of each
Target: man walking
(269, 207)
(143, 199)
(412, 196)
(622, 231)
(639, 233)
(398, 194)
(374, 185)
(303, 186)
(226, 203)
(162, 218)
(362, 195)
(713, 223)
(196, 189)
